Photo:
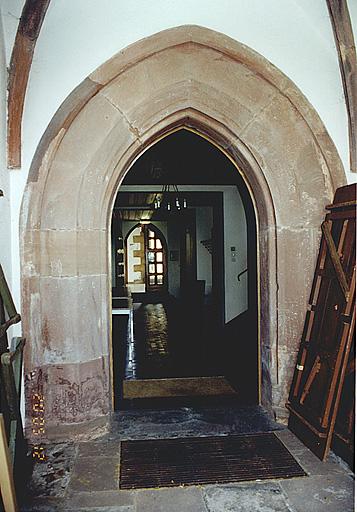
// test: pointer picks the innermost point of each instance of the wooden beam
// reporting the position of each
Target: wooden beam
(342, 28)
(335, 258)
(30, 23)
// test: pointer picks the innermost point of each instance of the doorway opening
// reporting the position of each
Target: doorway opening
(146, 255)
(184, 280)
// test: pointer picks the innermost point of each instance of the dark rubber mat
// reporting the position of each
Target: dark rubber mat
(204, 460)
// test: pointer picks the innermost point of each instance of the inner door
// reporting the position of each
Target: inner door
(156, 259)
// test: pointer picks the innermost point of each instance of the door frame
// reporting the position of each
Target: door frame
(161, 236)
(145, 227)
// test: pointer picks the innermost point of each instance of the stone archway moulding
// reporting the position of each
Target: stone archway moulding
(186, 77)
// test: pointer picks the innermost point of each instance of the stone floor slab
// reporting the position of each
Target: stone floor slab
(170, 500)
(115, 508)
(254, 497)
(309, 462)
(95, 474)
(292, 442)
(99, 449)
(51, 477)
(89, 500)
(327, 493)
(48, 505)
(314, 466)
(125, 508)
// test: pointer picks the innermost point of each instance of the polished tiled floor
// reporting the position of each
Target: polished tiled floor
(172, 342)
(85, 476)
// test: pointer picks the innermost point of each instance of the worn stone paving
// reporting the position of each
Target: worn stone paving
(85, 476)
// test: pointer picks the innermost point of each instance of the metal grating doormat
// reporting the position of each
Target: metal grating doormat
(204, 460)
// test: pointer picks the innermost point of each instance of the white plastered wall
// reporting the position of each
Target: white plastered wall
(235, 235)
(5, 216)
(77, 37)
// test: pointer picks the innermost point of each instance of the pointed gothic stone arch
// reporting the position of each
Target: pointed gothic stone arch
(186, 77)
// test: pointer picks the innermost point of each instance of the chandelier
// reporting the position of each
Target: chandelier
(170, 199)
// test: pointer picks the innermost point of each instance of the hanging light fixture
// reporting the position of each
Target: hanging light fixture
(170, 199)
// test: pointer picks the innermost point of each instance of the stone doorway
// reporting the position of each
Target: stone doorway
(200, 337)
(188, 77)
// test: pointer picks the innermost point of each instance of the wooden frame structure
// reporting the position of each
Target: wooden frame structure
(7, 486)
(327, 338)
(13, 446)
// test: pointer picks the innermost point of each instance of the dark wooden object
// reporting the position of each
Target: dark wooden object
(8, 313)
(31, 20)
(11, 369)
(7, 485)
(345, 45)
(344, 432)
(328, 332)
(6, 305)
(10, 380)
